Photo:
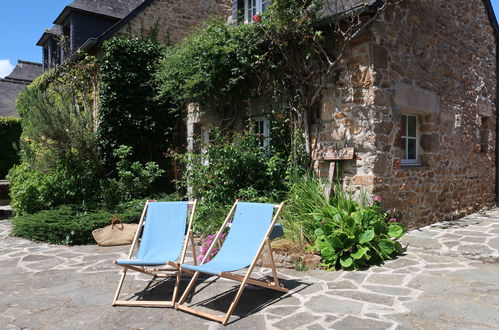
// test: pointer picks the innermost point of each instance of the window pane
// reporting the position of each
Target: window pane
(403, 146)
(402, 125)
(411, 149)
(411, 126)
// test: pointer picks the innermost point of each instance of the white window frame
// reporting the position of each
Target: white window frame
(405, 138)
(248, 16)
(262, 126)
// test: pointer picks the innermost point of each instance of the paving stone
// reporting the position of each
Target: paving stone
(341, 285)
(400, 263)
(420, 242)
(283, 311)
(295, 321)
(367, 297)
(472, 239)
(450, 245)
(474, 249)
(449, 236)
(471, 233)
(494, 243)
(390, 290)
(36, 257)
(353, 322)
(326, 304)
(315, 326)
(387, 279)
(356, 276)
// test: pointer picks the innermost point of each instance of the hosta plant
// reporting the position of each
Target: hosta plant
(353, 237)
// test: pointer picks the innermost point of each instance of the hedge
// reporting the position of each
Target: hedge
(71, 225)
(10, 132)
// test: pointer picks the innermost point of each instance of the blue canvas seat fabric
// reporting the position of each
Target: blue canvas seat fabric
(248, 229)
(163, 234)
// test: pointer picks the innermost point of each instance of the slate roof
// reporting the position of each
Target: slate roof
(112, 8)
(56, 30)
(24, 73)
(8, 94)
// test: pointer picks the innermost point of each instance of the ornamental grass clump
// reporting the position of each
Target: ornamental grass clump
(352, 237)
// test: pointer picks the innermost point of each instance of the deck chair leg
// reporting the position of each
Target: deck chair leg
(272, 263)
(175, 289)
(120, 284)
(188, 289)
(238, 295)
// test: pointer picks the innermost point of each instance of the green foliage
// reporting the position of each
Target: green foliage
(347, 234)
(230, 168)
(352, 237)
(72, 225)
(71, 179)
(134, 179)
(305, 197)
(10, 132)
(129, 113)
(60, 163)
(211, 66)
(57, 114)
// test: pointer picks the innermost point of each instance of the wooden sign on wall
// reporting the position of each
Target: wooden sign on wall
(336, 154)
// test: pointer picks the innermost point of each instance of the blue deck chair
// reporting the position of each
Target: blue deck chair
(163, 246)
(249, 233)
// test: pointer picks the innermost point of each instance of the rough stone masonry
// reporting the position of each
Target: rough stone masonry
(434, 60)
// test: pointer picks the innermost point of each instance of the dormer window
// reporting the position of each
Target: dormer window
(252, 8)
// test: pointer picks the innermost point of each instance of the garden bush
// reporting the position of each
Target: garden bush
(10, 132)
(230, 168)
(353, 237)
(129, 112)
(73, 224)
(349, 233)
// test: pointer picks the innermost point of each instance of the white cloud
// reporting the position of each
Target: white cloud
(5, 68)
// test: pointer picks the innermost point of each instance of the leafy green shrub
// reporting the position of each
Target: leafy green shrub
(352, 237)
(10, 132)
(305, 197)
(69, 180)
(134, 179)
(59, 159)
(71, 225)
(230, 168)
(67, 225)
(129, 113)
(212, 65)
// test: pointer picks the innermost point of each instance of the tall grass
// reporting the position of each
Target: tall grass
(307, 203)
(306, 197)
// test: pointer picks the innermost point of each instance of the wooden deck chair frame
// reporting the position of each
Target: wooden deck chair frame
(172, 270)
(274, 285)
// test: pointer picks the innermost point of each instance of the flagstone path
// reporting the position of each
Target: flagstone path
(449, 278)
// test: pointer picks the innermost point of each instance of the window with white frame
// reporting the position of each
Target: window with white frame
(409, 139)
(252, 8)
(262, 130)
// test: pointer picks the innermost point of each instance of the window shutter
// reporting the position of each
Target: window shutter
(237, 10)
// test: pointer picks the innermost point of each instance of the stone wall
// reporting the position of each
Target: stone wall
(174, 19)
(434, 59)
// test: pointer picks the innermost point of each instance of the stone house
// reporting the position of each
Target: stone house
(419, 112)
(85, 24)
(13, 84)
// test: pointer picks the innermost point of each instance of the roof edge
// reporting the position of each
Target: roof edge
(68, 9)
(116, 27)
(492, 17)
(29, 62)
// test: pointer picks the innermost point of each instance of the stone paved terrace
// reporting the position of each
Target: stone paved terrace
(449, 278)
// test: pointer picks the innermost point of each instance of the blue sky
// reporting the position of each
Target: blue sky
(22, 23)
